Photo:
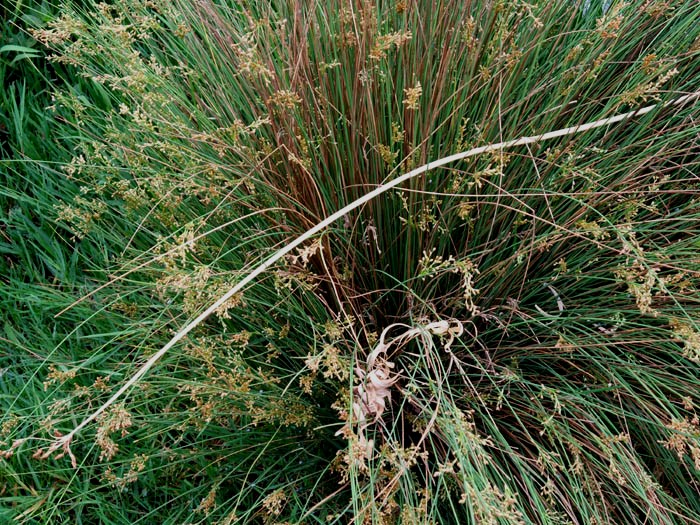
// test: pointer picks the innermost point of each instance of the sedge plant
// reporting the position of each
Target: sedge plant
(508, 337)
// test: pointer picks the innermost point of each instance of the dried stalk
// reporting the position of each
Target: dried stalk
(64, 441)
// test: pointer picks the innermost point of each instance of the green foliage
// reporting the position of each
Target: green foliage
(510, 339)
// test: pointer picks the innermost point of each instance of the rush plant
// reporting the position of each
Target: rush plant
(359, 262)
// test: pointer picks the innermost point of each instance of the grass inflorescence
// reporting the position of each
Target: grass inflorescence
(510, 337)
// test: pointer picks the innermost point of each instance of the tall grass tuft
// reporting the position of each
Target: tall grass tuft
(513, 337)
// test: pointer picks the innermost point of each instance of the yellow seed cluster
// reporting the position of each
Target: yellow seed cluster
(690, 336)
(609, 25)
(116, 420)
(384, 43)
(684, 438)
(412, 96)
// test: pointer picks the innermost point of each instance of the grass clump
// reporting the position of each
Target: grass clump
(509, 338)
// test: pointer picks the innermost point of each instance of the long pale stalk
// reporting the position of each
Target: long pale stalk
(64, 441)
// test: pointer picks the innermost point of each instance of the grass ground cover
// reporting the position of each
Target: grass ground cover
(509, 338)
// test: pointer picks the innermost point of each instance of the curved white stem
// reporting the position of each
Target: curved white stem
(65, 440)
